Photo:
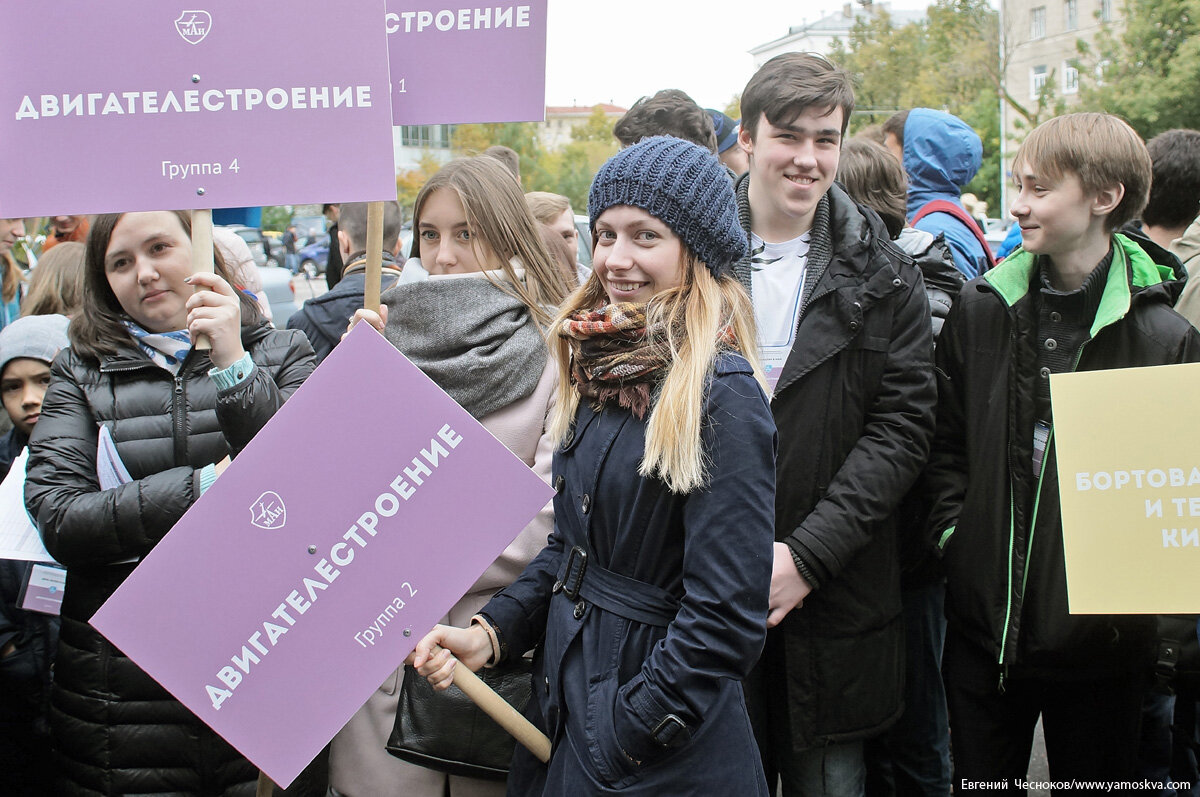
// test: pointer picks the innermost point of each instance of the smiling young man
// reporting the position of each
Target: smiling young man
(1075, 297)
(845, 335)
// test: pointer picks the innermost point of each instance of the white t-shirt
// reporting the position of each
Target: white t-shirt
(777, 281)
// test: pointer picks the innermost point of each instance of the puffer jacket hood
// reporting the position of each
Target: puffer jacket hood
(941, 155)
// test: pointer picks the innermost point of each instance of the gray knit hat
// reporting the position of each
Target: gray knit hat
(681, 184)
(38, 337)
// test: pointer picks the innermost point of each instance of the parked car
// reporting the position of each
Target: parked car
(254, 239)
(314, 257)
(995, 232)
(275, 248)
(309, 227)
(277, 286)
(276, 280)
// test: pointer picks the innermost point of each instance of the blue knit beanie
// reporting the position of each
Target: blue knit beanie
(681, 184)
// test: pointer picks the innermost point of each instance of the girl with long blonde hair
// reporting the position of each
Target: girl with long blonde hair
(470, 310)
(648, 606)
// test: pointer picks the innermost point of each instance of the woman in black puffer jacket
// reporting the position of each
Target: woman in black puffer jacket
(176, 414)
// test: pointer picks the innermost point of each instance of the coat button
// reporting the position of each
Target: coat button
(853, 326)
(1051, 344)
(585, 503)
(579, 607)
(898, 282)
(1045, 373)
(559, 484)
(1056, 317)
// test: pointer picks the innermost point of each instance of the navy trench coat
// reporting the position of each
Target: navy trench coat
(652, 605)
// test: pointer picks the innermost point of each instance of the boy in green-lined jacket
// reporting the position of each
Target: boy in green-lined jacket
(1075, 297)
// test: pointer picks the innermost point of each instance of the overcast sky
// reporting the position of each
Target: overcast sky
(619, 50)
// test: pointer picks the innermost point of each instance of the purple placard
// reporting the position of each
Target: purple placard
(456, 62)
(131, 105)
(403, 500)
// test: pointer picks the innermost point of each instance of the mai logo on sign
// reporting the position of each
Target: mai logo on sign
(268, 512)
(193, 26)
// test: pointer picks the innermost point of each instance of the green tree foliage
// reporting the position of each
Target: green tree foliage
(1151, 70)
(733, 108)
(276, 217)
(950, 61)
(409, 183)
(567, 170)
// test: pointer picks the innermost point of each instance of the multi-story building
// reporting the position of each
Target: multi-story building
(1039, 45)
(818, 37)
(410, 142)
(561, 121)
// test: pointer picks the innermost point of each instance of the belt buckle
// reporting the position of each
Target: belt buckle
(668, 730)
(576, 567)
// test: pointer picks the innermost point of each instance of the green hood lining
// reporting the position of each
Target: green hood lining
(1012, 277)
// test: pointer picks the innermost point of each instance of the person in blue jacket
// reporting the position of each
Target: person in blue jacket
(650, 599)
(940, 154)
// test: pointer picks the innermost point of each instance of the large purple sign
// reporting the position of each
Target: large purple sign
(156, 104)
(457, 62)
(313, 566)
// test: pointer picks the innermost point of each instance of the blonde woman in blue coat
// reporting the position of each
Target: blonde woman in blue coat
(649, 604)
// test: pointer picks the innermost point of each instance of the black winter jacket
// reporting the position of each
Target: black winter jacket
(998, 522)
(854, 407)
(118, 731)
(323, 319)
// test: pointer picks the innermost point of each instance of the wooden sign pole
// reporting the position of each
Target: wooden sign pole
(202, 256)
(374, 256)
(505, 715)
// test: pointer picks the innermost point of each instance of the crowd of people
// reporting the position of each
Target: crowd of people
(805, 535)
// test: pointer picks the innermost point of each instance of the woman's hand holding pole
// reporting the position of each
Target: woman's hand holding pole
(435, 659)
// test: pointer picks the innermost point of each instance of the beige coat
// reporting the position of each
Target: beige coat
(359, 766)
(1187, 248)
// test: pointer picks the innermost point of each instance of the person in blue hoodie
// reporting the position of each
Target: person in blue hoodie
(940, 154)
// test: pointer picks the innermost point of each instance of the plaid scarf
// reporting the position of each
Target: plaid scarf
(614, 356)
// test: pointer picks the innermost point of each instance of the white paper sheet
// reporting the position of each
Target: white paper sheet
(19, 538)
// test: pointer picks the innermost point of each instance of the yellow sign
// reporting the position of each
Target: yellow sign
(1128, 447)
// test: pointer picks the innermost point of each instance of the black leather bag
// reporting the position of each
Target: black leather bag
(446, 731)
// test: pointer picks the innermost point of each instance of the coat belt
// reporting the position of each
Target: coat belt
(623, 596)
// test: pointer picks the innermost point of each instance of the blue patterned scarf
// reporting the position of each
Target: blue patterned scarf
(166, 349)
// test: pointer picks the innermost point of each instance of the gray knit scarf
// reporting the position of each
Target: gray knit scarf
(477, 342)
(820, 246)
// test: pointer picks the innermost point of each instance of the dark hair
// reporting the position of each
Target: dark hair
(1175, 182)
(791, 82)
(353, 221)
(872, 177)
(670, 112)
(507, 156)
(895, 125)
(99, 328)
(871, 133)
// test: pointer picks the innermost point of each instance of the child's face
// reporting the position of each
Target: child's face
(448, 244)
(22, 386)
(1057, 216)
(636, 255)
